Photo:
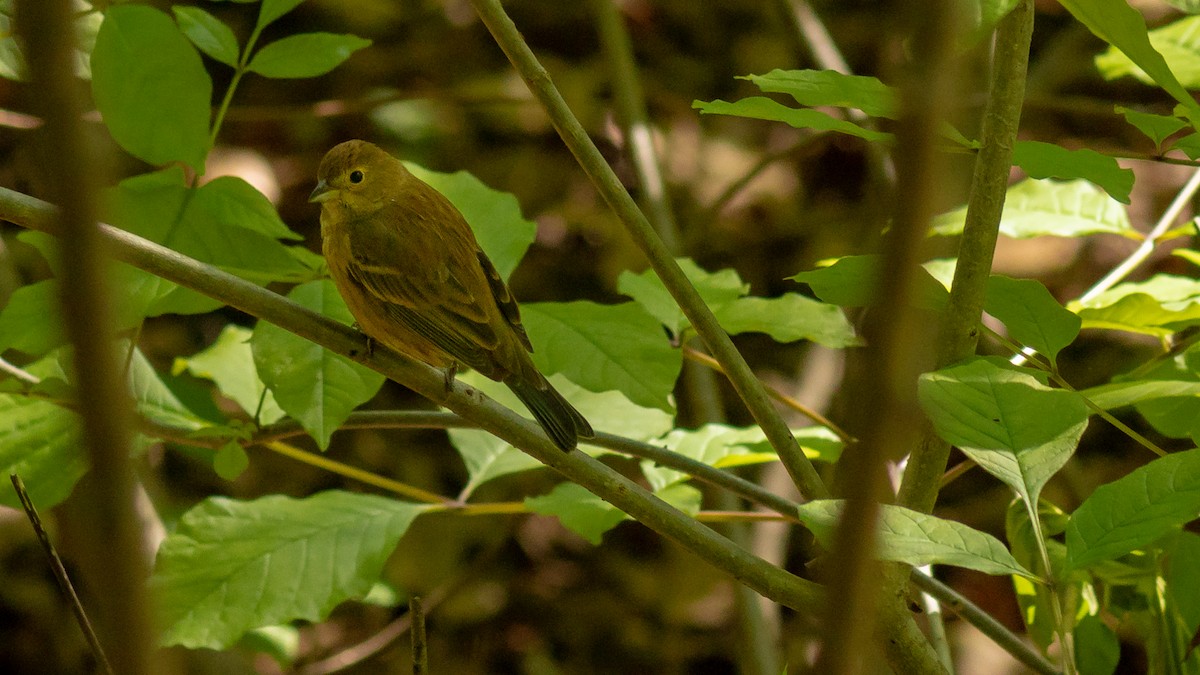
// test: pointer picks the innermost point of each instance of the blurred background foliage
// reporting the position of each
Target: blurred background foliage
(519, 594)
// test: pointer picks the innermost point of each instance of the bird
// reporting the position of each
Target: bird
(415, 279)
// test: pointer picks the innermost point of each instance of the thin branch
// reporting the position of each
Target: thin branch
(420, 642)
(689, 300)
(357, 474)
(768, 580)
(60, 574)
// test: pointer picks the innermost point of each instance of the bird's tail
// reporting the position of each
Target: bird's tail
(562, 422)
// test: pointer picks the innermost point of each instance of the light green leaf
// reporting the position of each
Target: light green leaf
(716, 288)
(495, 217)
(208, 33)
(1036, 601)
(1168, 400)
(1033, 317)
(788, 318)
(1120, 394)
(315, 386)
(1159, 305)
(851, 282)
(231, 567)
(305, 55)
(229, 363)
(1120, 25)
(757, 107)
(230, 200)
(916, 538)
(578, 510)
(1188, 145)
(1012, 425)
(272, 10)
(1135, 510)
(151, 87)
(822, 88)
(230, 460)
(488, 457)
(31, 322)
(604, 347)
(1046, 160)
(1176, 42)
(41, 443)
(1036, 208)
(1156, 127)
(154, 399)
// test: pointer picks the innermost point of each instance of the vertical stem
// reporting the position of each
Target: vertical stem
(701, 317)
(960, 328)
(109, 540)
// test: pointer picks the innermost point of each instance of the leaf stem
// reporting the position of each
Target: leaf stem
(357, 474)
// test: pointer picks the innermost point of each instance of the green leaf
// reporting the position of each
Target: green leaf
(230, 460)
(1036, 208)
(495, 217)
(917, 538)
(578, 510)
(1175, 42)
(230, 200)
(603, 347)
(1188, 145)
(1120, 25)
(1120, 394)
(229, 363)
(1183, 578)
(1159, 305)
(984, 15)
(1033, 317)
(1166, 395)
(822, 88)
(272, 10)
(1036, 600)
(1046, 160)
(305, 55)
(41, 443)
(1135, 510)
(488, 457)
(230, 567)
(281, 643)
(1156, 127)
(715, 288)
(315, 386)
(1013, 426)
(851, 282)
(759, 108)
(1097, 649)
(31, 322)
(722, 446)
(208, 33)
(788, 318)
(151, 87)
(154, 400)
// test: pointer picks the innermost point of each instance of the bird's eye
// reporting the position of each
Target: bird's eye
(356, 177)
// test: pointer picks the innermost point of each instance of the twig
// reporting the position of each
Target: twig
(18, 373)
(356, 473)
(60, 574)
(580, 144)
(420, 644)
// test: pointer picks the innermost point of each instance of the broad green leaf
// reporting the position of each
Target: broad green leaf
(229, 363)
(1186, 6)
(230, 200)
(1013, 426)
(1156, 127)
(1135, 510)
(230, 460)
(40, 442)
(154, 399)
(1159, 305)
(151, 87)
(1046, 160)
(313, 385)
(605, 347)
(231, 567)
(1033, 317)
(578, 510)
(1121, 26)
(208, 33)
(1183, 578)
(1176, 42)
(305, 55)
(273, 9)
(722, 446)
(1188, 145)
(1036, 208)
(1168, 398)
(1097, 649)
(788, 318)
(495, 217)
(716, 288)
(488, 457)
(851, 282)
(759, 108)
(916, 538)
(822, 88)
(31, 322)
(1119, 394)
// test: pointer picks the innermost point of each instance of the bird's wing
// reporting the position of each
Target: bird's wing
(430, 290)
(504, 299)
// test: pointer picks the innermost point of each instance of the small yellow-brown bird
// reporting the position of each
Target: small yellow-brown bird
(415, 279)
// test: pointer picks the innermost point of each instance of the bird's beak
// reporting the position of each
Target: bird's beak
(321, 193)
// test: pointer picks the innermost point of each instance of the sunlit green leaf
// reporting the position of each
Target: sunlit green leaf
(716, 288)
(1033, 317)
(1036, 208)
(1176, 42)
(1156, 127)
(822, 88)
(757, 107)
(229, 363)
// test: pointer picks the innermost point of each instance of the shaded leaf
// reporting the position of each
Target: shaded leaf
(1156, 127)
(716, 288)
(851, 282)
(820, 88)
(229, 363)
(757, 107)
(1033, 317)
(1046, 160)
(305, 55)
(578, 510)
(788, 318)
(208, 33)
